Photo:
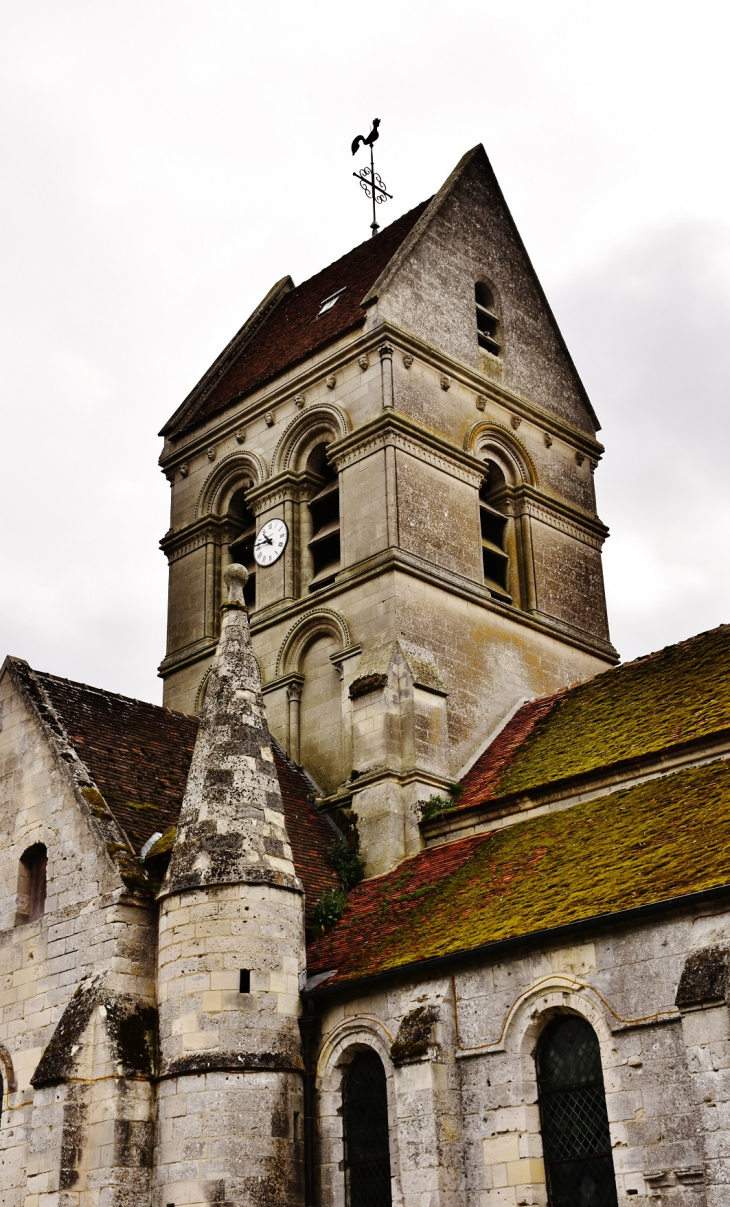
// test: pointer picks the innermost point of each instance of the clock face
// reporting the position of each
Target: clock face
(270, 542)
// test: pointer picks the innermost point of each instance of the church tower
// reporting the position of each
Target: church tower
(401, 452)
(231, 952)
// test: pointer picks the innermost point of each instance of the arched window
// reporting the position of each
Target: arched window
(575, 1137)
(31, 884)
(367, 1150)
(495, 532)
(324, 510)
(241, 547)
(487, 319)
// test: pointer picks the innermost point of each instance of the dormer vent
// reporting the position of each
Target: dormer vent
(329, 302)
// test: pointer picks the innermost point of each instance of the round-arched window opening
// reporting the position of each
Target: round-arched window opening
(367, 1145)
(241, 546)
(324, 509)
(573, 1118)
(487, 319)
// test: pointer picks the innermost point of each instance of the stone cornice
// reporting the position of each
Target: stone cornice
(391, 428)
(189, 654)
(223, 426)
(581, 525)
(287, 486)
(380, 775)
(178, 543)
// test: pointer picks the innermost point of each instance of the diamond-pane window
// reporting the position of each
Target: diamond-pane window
(575, 1136)
(367, 1149)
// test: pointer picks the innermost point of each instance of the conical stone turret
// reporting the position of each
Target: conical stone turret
(231, 949)
(231, 827)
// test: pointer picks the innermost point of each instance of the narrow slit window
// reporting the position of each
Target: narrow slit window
(573, 1117)
(244, 984)
(32, 871)
(487, 319)
(367, 1143)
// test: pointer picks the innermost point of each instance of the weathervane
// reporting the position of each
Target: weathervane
(373, 185)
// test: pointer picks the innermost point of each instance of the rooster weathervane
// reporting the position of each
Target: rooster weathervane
(373, 185)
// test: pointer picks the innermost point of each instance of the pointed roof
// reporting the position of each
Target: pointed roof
(232, 828)
(138, 755)
(287, 327)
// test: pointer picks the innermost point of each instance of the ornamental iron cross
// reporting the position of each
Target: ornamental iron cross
(373, 185)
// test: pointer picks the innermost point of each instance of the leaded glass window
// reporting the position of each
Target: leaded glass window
(367, 1150)
(575, 1136)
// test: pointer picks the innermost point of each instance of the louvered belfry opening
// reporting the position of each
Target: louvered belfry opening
(324, 507)
(367, 1149)
(575, 1136)
(241, 546)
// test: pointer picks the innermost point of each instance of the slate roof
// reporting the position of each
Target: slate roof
(665, 699)
(293, 331)
(139, 755)
(653, 842)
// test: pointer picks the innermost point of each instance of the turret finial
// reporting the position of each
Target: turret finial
(236, 577)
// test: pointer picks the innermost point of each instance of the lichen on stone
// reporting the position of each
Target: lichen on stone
(414, 1036)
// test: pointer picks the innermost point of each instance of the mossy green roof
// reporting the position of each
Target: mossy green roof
(677, 695)
(659, 840)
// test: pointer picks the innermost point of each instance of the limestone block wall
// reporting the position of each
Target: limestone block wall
(230, 1096)
(463, 1107)
(72, 1134)
(207, 938)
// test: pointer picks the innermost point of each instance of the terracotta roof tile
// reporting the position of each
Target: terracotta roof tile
(294, 331)
(657, 841)
(139, 755)
(675, 695)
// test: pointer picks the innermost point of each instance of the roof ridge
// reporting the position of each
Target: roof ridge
(365, 243)
(103, 691)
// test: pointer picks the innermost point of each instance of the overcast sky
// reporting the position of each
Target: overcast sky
(165, 161)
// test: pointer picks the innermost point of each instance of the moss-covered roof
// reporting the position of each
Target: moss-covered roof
(658, 840)
(676, 695)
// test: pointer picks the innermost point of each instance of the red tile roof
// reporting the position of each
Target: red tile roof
(660, 840)
(139, 755)
(294, 331)
(675, 695)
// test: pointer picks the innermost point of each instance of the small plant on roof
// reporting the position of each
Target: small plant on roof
(328, 910)
(436, 806)
(348, 862)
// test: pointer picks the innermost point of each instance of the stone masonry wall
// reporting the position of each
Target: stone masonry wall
(464, 1118)
(90, 1127)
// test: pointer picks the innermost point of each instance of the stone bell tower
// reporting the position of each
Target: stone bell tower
(410, 423)
(231, 950)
